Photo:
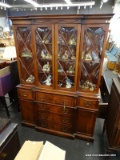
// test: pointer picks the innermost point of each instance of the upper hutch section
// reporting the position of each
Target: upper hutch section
(63, 52)
(77, 19)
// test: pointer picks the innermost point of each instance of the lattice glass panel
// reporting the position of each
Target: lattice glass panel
(67, 39)
(25, 55)
(91, 57)
(43, 37)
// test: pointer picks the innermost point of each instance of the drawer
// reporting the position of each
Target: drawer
(87, 103)
(25, 94)
(44, 97)
(64, 100)
(64, 111)
(53, 118)
(55, 99)
(56, 127)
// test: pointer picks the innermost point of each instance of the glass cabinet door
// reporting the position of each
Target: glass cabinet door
(44, 55)
(66, 53)
(25, 54)
(91, 57)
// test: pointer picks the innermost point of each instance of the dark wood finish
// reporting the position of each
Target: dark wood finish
(55, 47)
(25, 94)
(85, 124)
(112, 121)
(55, 99)
(27, 110)
(87, 103)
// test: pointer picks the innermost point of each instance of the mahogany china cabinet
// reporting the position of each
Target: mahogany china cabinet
(60, 61)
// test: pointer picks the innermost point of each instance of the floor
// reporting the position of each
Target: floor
(75, 149)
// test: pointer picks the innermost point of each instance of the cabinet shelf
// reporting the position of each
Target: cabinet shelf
(45, 72)
(68, 60)
(45, 59)
(90, 61)
(26, 57)
(48, 43)
(66, 74)
(43, 43)
(61, 44)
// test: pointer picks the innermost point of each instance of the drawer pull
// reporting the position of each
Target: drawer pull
(43, 116)
(65, 121)
(87, 104)
(64, 106)
(64, 129)
(64, 109)
(44, 125)
(25, 95)
(42, 99)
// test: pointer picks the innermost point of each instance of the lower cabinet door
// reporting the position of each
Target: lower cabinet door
(27, 111)
(85, 123)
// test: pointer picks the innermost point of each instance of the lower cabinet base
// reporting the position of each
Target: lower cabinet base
(27, 124)
(66, 114)
(57, 133)
(84, 137)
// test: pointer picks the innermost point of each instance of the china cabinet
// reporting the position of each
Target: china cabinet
(60, 62)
